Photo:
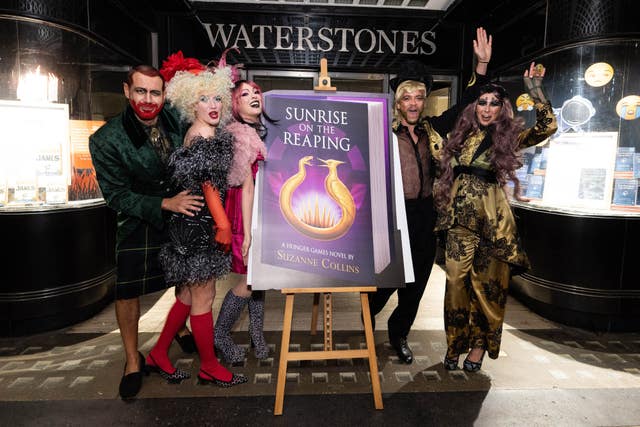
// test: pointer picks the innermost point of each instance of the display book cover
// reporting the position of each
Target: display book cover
(324, 214)
(624, 192)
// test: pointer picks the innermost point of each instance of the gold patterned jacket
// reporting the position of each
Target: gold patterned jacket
(480, 204)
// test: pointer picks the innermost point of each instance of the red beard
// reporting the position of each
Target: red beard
(146, 110)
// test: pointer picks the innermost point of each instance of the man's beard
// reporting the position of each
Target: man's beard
(143, 112)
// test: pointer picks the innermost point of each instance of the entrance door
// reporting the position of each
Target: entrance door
(441, 97)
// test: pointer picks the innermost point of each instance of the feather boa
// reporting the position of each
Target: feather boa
(246, 148)
(206, 159)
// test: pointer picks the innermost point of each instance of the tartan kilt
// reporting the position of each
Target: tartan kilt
(138, 266)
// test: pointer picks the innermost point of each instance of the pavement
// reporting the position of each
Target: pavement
(547, 374)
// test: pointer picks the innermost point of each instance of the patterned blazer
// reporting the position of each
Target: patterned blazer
(132, 177)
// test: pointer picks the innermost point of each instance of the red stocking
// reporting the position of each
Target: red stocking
(202, 329)
(159, 355)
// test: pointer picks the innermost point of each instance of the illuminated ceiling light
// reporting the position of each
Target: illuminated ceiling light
(36, 87)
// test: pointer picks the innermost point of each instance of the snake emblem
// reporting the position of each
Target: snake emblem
(335, 188)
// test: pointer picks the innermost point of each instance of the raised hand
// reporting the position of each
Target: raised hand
(533, 82)
(535, 71)
(482, 46)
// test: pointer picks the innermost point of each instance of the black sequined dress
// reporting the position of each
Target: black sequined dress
(192, 256)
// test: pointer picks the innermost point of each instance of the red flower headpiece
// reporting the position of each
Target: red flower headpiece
(222, 63)
(177, 62)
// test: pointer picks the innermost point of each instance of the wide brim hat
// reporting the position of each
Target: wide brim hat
(412, 70)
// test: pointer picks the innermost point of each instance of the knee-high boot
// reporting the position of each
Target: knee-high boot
(256, 324)
(232, 306)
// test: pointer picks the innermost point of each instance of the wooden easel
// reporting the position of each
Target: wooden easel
(328, 353)
(324, 83)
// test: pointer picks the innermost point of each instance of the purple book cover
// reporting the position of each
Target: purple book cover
(316, 197)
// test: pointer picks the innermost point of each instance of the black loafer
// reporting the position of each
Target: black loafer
(402, 349)
(186, 343)
(131, 384)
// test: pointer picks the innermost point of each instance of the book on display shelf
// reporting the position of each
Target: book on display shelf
(625, 159)
(535, 186)
(592, 185)
(624, 192)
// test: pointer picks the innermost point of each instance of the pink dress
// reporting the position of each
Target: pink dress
(248, 151)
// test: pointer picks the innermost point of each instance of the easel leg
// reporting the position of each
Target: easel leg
(284, 354)
(328, 322)
(371, 348)
(314, 313)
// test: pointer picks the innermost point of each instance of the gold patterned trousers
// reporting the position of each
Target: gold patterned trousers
(475, 295)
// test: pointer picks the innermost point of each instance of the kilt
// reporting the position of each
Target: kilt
(138, 267)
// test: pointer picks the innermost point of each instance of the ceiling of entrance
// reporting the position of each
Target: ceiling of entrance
(434, 5)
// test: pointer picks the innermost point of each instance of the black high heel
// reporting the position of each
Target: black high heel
(451, 364)
(235, 380)
(470, 366)
(175, 378)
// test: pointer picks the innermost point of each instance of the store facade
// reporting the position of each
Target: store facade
(59, 234)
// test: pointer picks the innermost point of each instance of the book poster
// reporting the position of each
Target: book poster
(580, 170)
(84, 184)
(325, 212)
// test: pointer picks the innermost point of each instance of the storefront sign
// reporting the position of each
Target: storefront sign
(268, 38)
(324, 39)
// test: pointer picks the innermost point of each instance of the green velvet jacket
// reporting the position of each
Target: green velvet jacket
(131, 175)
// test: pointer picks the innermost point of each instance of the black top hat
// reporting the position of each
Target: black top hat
(412, 70)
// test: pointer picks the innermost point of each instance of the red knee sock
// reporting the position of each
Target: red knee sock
(202, 330)
(159, 355)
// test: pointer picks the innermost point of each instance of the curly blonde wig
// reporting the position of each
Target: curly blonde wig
(184, 89)
(408, 86)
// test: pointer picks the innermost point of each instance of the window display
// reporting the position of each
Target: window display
(56, 88)
(591, 166)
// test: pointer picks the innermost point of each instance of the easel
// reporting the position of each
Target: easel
(328, 353)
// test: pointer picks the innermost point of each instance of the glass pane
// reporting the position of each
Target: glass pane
(268, 83)
(592, 163)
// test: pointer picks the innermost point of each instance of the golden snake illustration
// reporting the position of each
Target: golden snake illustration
(336, 190)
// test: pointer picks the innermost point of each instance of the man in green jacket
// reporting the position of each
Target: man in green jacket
(130, 155)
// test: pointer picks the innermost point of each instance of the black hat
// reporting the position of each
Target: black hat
(412, 70)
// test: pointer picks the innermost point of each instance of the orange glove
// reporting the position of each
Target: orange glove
(223, 226)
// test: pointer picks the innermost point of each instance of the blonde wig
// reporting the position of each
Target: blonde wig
(408, 86)
(186, 87)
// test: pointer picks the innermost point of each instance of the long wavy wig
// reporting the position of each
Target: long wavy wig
(503, 152)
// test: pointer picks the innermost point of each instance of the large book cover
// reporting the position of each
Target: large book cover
(326, 215)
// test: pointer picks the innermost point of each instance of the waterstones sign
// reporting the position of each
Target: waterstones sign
(348, 42)
(323, 39)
